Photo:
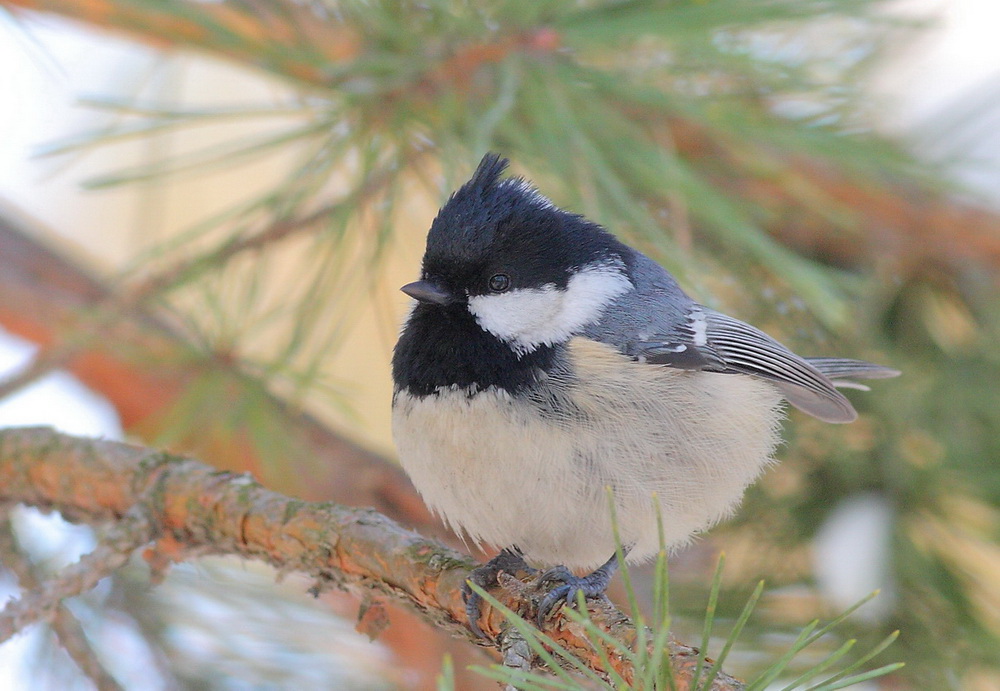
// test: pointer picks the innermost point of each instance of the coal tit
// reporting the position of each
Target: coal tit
(545, 361)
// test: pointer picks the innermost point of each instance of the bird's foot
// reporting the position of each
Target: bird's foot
(485, 576)
(591, 585)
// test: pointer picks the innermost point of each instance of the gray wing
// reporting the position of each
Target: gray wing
(711, 341)
(659, 324)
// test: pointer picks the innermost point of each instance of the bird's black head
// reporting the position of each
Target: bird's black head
(506, 274)
(528, 271)
(495, 235)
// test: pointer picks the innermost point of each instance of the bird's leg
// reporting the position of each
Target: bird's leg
(591, 585)
(509, 560)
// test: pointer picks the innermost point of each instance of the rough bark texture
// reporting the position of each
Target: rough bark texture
(191, 509)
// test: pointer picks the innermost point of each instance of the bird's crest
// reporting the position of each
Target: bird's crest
(487, 174)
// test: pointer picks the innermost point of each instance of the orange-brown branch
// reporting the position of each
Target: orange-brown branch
(248, 33)
(195, 507)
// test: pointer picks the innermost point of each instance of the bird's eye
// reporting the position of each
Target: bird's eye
(499, 283)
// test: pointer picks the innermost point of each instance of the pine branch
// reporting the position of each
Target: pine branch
(829, 212)
(255, 33)
(197, 509)
(42, 603)
(90, 326)
(64, 624)
(142, 366)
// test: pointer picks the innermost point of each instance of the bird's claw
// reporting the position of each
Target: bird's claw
(473, 603)
(590, 585)
(485, 576)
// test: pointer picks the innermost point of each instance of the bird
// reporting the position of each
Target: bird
(545, 364)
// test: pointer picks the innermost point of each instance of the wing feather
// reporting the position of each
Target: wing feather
(712, 341)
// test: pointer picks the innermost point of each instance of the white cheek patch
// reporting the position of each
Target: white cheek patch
(530, 317)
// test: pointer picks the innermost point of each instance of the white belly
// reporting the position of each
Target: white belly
(507, 475)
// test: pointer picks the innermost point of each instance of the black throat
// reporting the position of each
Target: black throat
(445, 347)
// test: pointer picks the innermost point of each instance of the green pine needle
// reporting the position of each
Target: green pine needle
(706, 635)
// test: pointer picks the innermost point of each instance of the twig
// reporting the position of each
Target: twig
(244, 34)
(44, 362)
(42, 603)
(64, 624)
(74, 641)
(269, 235)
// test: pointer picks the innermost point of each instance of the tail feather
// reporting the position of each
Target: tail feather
(840, 371)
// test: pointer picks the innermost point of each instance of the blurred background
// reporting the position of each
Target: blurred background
(206, 209)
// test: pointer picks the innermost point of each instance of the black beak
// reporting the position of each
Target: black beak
(425, 291)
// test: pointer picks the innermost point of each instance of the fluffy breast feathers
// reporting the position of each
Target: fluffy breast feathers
(531, 470)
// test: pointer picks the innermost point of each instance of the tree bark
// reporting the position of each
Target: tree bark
(192, 509)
